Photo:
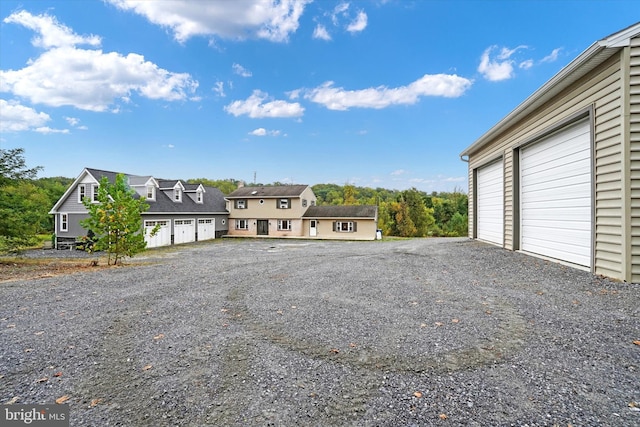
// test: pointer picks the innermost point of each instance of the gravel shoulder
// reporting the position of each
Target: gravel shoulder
(294, 332)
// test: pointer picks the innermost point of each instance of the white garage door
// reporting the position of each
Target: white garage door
(184, 231)
(490, 203)
(555, 195)
(161, 238)
(206, 229)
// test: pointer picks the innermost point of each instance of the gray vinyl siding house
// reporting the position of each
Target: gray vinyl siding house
(185, 212)
(559, 176)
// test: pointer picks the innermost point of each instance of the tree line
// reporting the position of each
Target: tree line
(25, 202)
(406, 213)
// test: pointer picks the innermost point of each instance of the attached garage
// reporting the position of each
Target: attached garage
(489, 202)
(184, 231)
(162, 236)
(206, 229)
(570, 159)
(555, 195)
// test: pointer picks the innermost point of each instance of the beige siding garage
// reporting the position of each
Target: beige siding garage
(602, 87)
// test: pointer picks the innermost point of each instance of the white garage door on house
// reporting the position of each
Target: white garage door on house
(206, 229)
(556, 195)
(490, 203)
(163, 235)
(184, 231)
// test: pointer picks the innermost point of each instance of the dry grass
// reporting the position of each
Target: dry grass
(27, 269)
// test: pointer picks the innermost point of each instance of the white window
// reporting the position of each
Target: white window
(242, 224)
(284, 204)
(82, 192)
(199, 196)
(151, 192)
(177, 195)
(344, 226)
(304, 203)
(94, 192)
(313, 203)
(241, 204)
(284, 224)
(64, 222)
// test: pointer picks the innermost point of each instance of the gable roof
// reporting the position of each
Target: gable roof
(350, 211)
(593, 56)
(213, 202)
(268, 191)
(99, 174)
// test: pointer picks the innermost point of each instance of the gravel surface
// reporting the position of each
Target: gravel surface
(291, 332)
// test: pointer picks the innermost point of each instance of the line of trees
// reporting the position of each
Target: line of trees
(407, 213)
(25, 201)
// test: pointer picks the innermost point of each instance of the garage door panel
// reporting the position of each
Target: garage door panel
(184, 231)
(555, 203)
(206, 229)
(556, 195)
(490, 203)
(162, 237)
(562, 252)
(558, 171)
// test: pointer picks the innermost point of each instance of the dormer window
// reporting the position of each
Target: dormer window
(94, 192)
(177, 195)
(199, 196)
(151, 192)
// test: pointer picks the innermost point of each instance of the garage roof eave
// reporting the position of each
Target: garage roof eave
(593, 56)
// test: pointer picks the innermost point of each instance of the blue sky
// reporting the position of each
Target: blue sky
(371, 93)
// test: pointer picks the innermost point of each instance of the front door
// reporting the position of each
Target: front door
(312, 228)
(263, 227)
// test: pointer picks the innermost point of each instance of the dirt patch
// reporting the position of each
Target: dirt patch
(12, 269)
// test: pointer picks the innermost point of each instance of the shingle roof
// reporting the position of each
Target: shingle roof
(268, 191)
(99, 174)
(351, 211)
(213, 201)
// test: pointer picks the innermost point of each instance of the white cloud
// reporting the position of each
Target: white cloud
(241, 71)
(72, 121)
(501, 66)
(264, 132)
(258, 132)
(88, 79)
(358, 24)
(525, 65)
(552, 56)
(399, 172)
(334, 98)
(321, 32)
(17, 118)
(273, 20)
(218, 88)
(50, 32)
(255, 107)
(47, 130)
(341, 17)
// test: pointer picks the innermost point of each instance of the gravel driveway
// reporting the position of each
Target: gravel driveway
(291, 332)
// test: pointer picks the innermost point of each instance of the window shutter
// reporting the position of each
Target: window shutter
(355, 226)
(235, 204)
(288, 203)
(334, 226)
(277, 203)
